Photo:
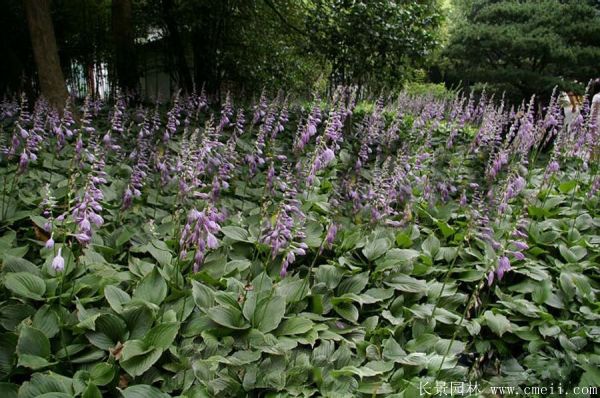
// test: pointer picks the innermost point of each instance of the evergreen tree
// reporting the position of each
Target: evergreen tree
(525, 47)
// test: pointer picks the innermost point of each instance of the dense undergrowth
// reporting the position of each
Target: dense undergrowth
(279, 251)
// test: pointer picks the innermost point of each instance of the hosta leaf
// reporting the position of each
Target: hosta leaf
(296, 325)
(162, 335)
(567, 186)
(354, 284)
(9, 390)
(12, 314)
(376, 248)
(143, 391)
(152, 288)
(160, 251)
(347, 311)
(498, 323)
(41, 384)
(431, 246)
(227, 316)
(46, 320)
(204, 296)
(268, 313)
(235, 233)
(406, 283)
(18, 265)
(33, 348)
(116, 298)
(392, 350)
(370, 369)
(329, 275)
(102, 373)
(137, 358)
(26, 285)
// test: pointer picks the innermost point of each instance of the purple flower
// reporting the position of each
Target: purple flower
(503, 266)
(331, 233)
(199, 233)
(518, 255)
(520, 245)
(490, 278)
(49, 243)
(58, 263)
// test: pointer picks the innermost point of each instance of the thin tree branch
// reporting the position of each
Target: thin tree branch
(283, 19)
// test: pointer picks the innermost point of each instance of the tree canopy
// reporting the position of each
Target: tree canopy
(525, 47)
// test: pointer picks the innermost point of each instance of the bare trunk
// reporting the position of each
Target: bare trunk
(123, 38)
(43, 41)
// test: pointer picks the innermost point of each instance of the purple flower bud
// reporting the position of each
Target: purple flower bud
(58, 263)
(49, 243)
(520, 245)
(553, 167)
(503, 266)
(490, 278)
(518, 255)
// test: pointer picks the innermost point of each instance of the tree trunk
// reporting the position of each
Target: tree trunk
(45, 52)
(176, 47)
(123, 39)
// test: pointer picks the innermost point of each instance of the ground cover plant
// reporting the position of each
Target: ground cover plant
(331, 249)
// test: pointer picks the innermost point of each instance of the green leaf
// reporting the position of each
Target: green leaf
(392, 350)
(354, 284)
(431, 246)
(116, 298)
(152, 288)
(137, 358)
(9, 390)
(446, 229)
(11, 315)
(25, 285)
(403, 240)
(46, 320)
(573, 254)
(143, 391)
(402, 255)
(329, 275)
(162, 336)
(102, 373)
(498, 323)
(109, 330)
(41, 384)
(124, 236)
(91, 391)
(591, 376)
(567, 186)
(204, 296)
(268, 313)
(240, 358)
(373, 368)
(376, 248)
(236, 234)
(227, 316)
(347, 311)
(8, 346)
(160, 251)
(296, 325)
(33, 348)
(406, 283)
(16, 264)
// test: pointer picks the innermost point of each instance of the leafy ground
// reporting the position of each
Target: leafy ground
(333, 250)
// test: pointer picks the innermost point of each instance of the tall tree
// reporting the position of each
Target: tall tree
(525, 47)
(45, 51)
(176, 46)
(373, 42)
(124, 45)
